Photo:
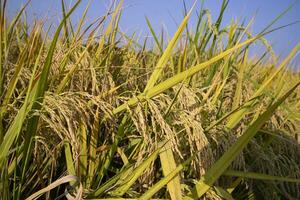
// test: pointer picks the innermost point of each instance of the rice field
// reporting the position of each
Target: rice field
(88, 112)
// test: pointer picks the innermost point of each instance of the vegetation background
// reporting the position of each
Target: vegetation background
(89, 111)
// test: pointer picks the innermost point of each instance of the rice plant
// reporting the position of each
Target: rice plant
(89, 112)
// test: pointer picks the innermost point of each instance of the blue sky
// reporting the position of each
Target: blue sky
(169, 13)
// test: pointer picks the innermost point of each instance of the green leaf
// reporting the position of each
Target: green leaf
(168, 164)
(164, 181)
(223, 193)
(166, 55)
(136, 173)
(154, 35)
(259, 176)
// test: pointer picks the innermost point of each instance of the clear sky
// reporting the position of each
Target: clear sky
(169, 13)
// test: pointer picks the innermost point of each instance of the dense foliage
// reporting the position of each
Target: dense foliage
(91, 113)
